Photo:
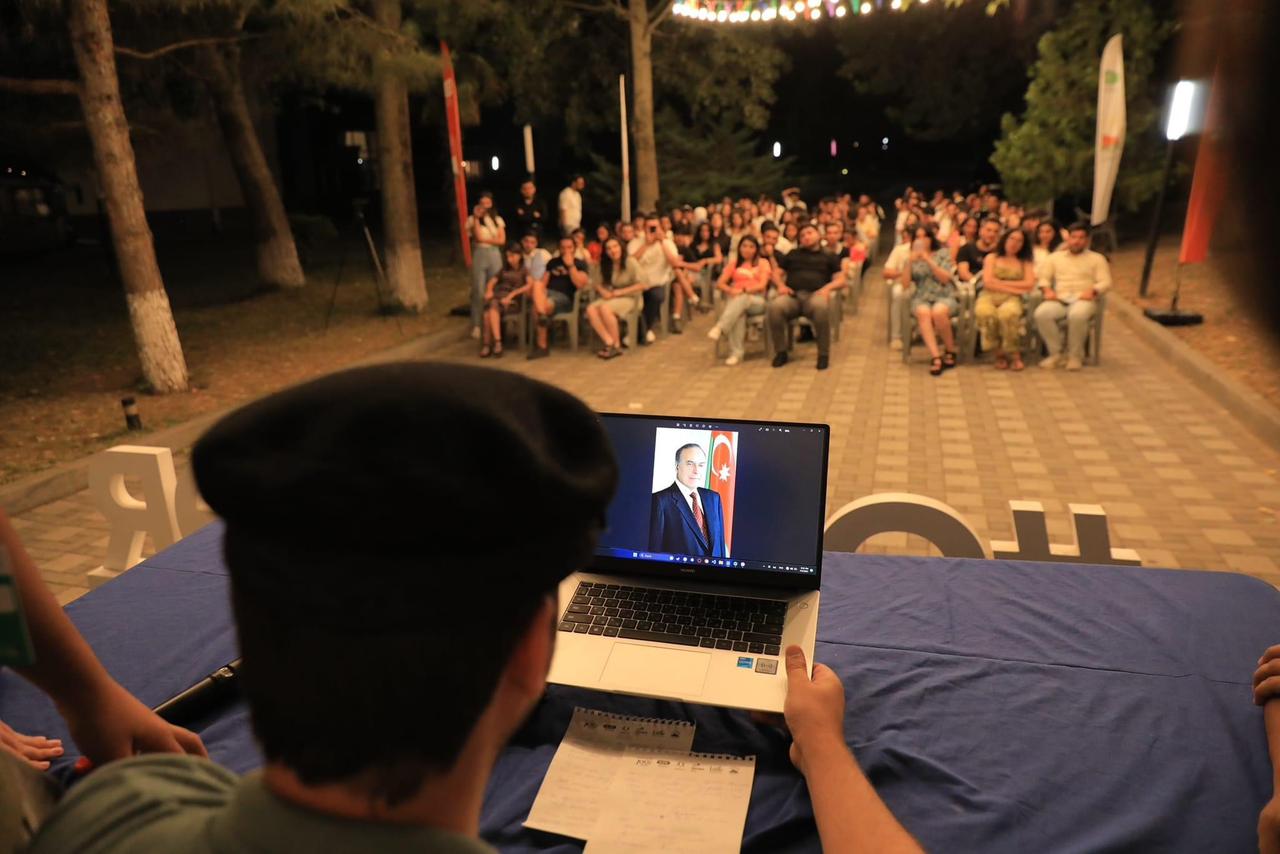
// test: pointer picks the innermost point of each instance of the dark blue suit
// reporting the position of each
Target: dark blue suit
(672, 529)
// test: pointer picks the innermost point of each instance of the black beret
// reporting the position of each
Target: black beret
(415, 465)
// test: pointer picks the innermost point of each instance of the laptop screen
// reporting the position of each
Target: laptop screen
(739, 502)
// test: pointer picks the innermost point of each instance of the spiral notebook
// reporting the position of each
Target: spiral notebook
(626, 784)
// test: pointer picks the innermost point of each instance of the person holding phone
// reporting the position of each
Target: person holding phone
(934, 301)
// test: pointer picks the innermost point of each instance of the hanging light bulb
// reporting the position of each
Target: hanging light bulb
(841, 11)
(815, 14)
(895, 5)
(866, 8)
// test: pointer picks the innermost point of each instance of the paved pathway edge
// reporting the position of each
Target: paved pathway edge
(1252, 410)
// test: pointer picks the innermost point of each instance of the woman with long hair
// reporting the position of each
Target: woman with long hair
(1048, 238)
(619, 289)
(1008, 274)
(743, 283)
(933, 274)
(502, 295)
(488, 236)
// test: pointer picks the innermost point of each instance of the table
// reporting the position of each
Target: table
(996, 706)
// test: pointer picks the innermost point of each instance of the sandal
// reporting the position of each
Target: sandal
(949, 359)
(486, 351)
(497, 351)
(935, 366)
(1017, 362)
(614, 352)
(604, 351)
(1002, 362)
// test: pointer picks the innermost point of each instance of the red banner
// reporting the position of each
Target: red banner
(723, 474)
(1208, 185)
(454, 120)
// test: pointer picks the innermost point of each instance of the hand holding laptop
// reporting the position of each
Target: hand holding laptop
(814, 710)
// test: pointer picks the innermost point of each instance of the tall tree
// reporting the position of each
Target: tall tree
(395, 160)
(1048, 152)
(643, 17)
(164, 367)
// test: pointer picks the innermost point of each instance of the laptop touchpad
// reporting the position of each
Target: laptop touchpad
(652, 670)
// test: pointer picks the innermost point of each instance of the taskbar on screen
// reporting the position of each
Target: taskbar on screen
(727, 562)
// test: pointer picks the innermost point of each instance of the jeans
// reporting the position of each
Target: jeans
(653, 298)
(486, 262)
(784, 309)
(1077, 314)
(733, 319)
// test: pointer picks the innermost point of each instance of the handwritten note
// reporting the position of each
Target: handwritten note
(677, 804)
(590, 755)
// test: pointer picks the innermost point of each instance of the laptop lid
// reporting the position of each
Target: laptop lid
(761, 495)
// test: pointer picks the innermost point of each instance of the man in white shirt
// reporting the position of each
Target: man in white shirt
(658, 258)
(898, 274)
(571, 206)
(1071, 280)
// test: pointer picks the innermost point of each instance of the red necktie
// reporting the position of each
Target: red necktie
(697, 513)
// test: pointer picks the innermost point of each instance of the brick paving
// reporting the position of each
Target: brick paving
(1181, 480)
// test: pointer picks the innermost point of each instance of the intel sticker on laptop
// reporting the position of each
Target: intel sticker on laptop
(744, 661)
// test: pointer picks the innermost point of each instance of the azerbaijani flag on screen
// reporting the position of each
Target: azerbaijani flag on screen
(723, 475)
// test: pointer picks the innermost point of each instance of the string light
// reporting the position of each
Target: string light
(742, 11)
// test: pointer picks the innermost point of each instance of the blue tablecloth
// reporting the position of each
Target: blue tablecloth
(996, 706)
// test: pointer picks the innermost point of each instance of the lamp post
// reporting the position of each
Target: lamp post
(1179, 122)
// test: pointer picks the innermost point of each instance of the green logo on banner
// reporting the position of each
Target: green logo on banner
(1112, 78)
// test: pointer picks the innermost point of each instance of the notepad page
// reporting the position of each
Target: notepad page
(690, 804)
(581, 772)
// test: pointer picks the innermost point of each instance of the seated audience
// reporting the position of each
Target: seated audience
(1008, 275)
(1047, 240)
(971, 256)
(503, 295)
(743, 282)
(934, 299)
(806, 278)
(595, 248)
(1071, 280)
(687, 267)
(580, 250)
(658, 260)
(898, 275)
(619, 290)
(553, 293)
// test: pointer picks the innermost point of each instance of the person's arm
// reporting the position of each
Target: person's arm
(578, 276)
(942, 274)
(502, 233)
(764, 272)
(1028, 283)
(851, 817)
(106, 721)
(989, 280)
(488, 288)
(1266, 688)
(1101, 279)
(962, 267)
(1046, 274)
(723, 282)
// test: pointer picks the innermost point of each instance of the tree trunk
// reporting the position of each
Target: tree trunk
(278, 264)
(646, 147)
(156, 335)
(395, 162)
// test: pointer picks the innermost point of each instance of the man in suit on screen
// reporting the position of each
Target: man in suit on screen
(686, 518)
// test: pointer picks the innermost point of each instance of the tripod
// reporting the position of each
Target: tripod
(375, 262)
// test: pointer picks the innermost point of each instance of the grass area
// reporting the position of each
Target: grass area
(1234, 335)
(69, 356)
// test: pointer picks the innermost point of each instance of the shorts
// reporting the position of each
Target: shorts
(562, 303)
(949, 302)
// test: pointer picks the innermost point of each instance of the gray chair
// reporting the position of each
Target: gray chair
(520, 319)
(1092, 344)
(573, 318)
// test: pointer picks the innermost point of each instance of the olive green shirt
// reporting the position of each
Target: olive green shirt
(165, 802)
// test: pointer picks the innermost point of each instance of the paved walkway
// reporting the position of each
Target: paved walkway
(1181, 480)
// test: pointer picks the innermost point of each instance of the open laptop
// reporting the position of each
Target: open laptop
(709, 566)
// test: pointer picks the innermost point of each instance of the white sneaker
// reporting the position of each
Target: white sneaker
(895, 344)
(1074, 364)
(475, 332)
(714, 333)
(732, 360)
(650, 337)
(695, 299)
(1049, 362)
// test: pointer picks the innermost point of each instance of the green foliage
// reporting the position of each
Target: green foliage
(718, 74)
(945, 73)
(1048, 152)
(698, 163)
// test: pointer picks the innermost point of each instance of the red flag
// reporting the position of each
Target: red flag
(1208, 185)
(455, 150)
(724, 470)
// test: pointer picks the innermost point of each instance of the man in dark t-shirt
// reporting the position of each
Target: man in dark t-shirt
(553, 294)
(970, 257)
(530, 212)
(806, 278)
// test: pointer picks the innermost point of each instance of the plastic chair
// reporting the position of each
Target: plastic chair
(573, 318)
(1092, 344)
(521, 320)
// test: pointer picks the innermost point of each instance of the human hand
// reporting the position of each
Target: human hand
(507, 300)
(1089, 294)
(814, 708)
(1269, 828)
(35, 750)
(1050, 294)
(1266, 679)
(784, 291)
(110, 723)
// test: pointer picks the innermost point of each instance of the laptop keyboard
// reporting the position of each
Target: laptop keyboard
(677, 617)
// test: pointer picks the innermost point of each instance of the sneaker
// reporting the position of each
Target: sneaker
(675, 326)
(650, 337)
(475, 332)
(823, 363)
(714, 333)
(895, 344)
(732, 360)
(539, 353)
(1074, 364)
(695, 299)
(780, 359)
(1049, 362)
